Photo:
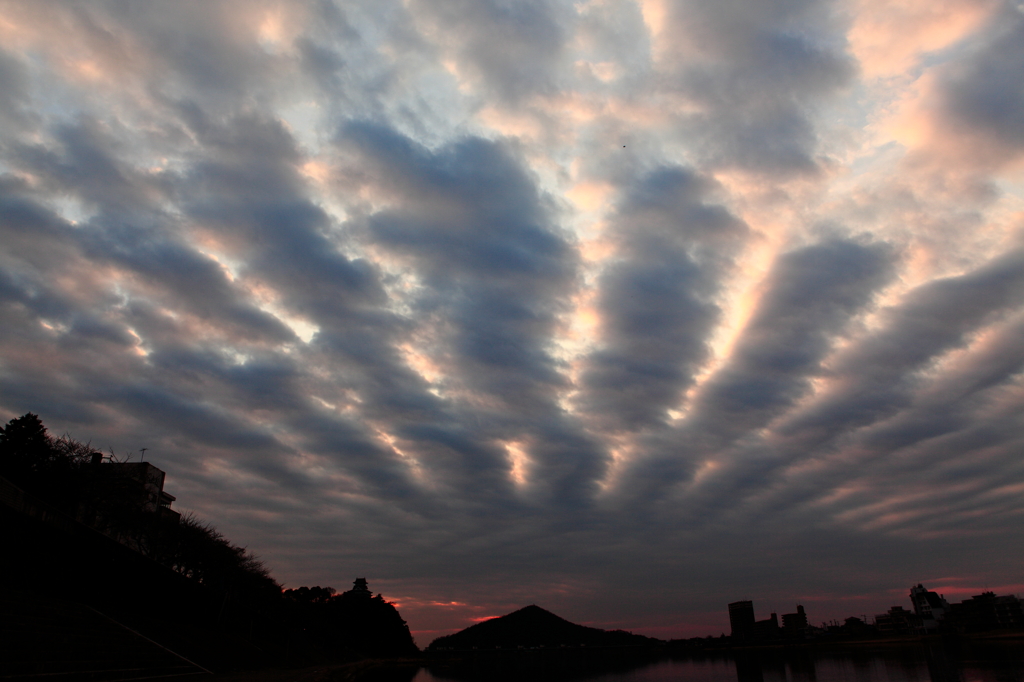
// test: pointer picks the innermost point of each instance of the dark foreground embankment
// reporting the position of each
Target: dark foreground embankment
(79, 605)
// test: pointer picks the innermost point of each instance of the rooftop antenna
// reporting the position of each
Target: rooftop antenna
(143, 454)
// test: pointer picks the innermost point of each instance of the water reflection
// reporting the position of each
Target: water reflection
(937, 662)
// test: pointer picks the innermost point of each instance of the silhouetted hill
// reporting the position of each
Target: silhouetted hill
(533, 626)
(355, 621)
(99, 537)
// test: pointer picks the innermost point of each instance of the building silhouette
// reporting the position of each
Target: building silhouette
(931, 614)
(794, 625)
(931, 607)
(986, 611)
(767, 628)
(360, 589)
(741, 619)
(899, 621)
(746, 628)
(149, 493)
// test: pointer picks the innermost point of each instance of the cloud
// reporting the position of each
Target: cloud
(751, 71)
(14, 84)
(493, 274)
(513, 49)
(981, 95)
(878, 374)
(890, 40)
(658, 301)
(534, 302)
(810, 296)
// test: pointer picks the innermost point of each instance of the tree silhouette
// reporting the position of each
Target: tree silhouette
(70, 476)
(109, 496)
(355, 621)
(26, 448)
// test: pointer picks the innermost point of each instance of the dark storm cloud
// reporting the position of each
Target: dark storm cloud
(658, 302)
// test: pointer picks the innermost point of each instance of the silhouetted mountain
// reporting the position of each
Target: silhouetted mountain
(533, 626)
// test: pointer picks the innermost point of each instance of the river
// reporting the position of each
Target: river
(931, 662)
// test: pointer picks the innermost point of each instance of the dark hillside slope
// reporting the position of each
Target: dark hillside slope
(48, 556)
(533, 626)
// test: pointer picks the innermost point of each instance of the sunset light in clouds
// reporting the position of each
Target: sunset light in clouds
(626, 309)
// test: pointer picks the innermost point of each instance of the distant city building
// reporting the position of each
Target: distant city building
(982, 612)
(986, 611)
(899, 621)
(931, 614)
(741, 619)
(854, 627)
(794, 625)
(745, 627)
(767, 628)
(931, 607)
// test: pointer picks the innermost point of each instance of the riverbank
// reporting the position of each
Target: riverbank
(477, 663)
(724, 646)
(372, 670)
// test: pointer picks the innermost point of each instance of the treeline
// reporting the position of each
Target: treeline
(233, 591)
(71, 477)
(363, 622)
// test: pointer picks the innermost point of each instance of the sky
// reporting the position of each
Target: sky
(626, 308)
